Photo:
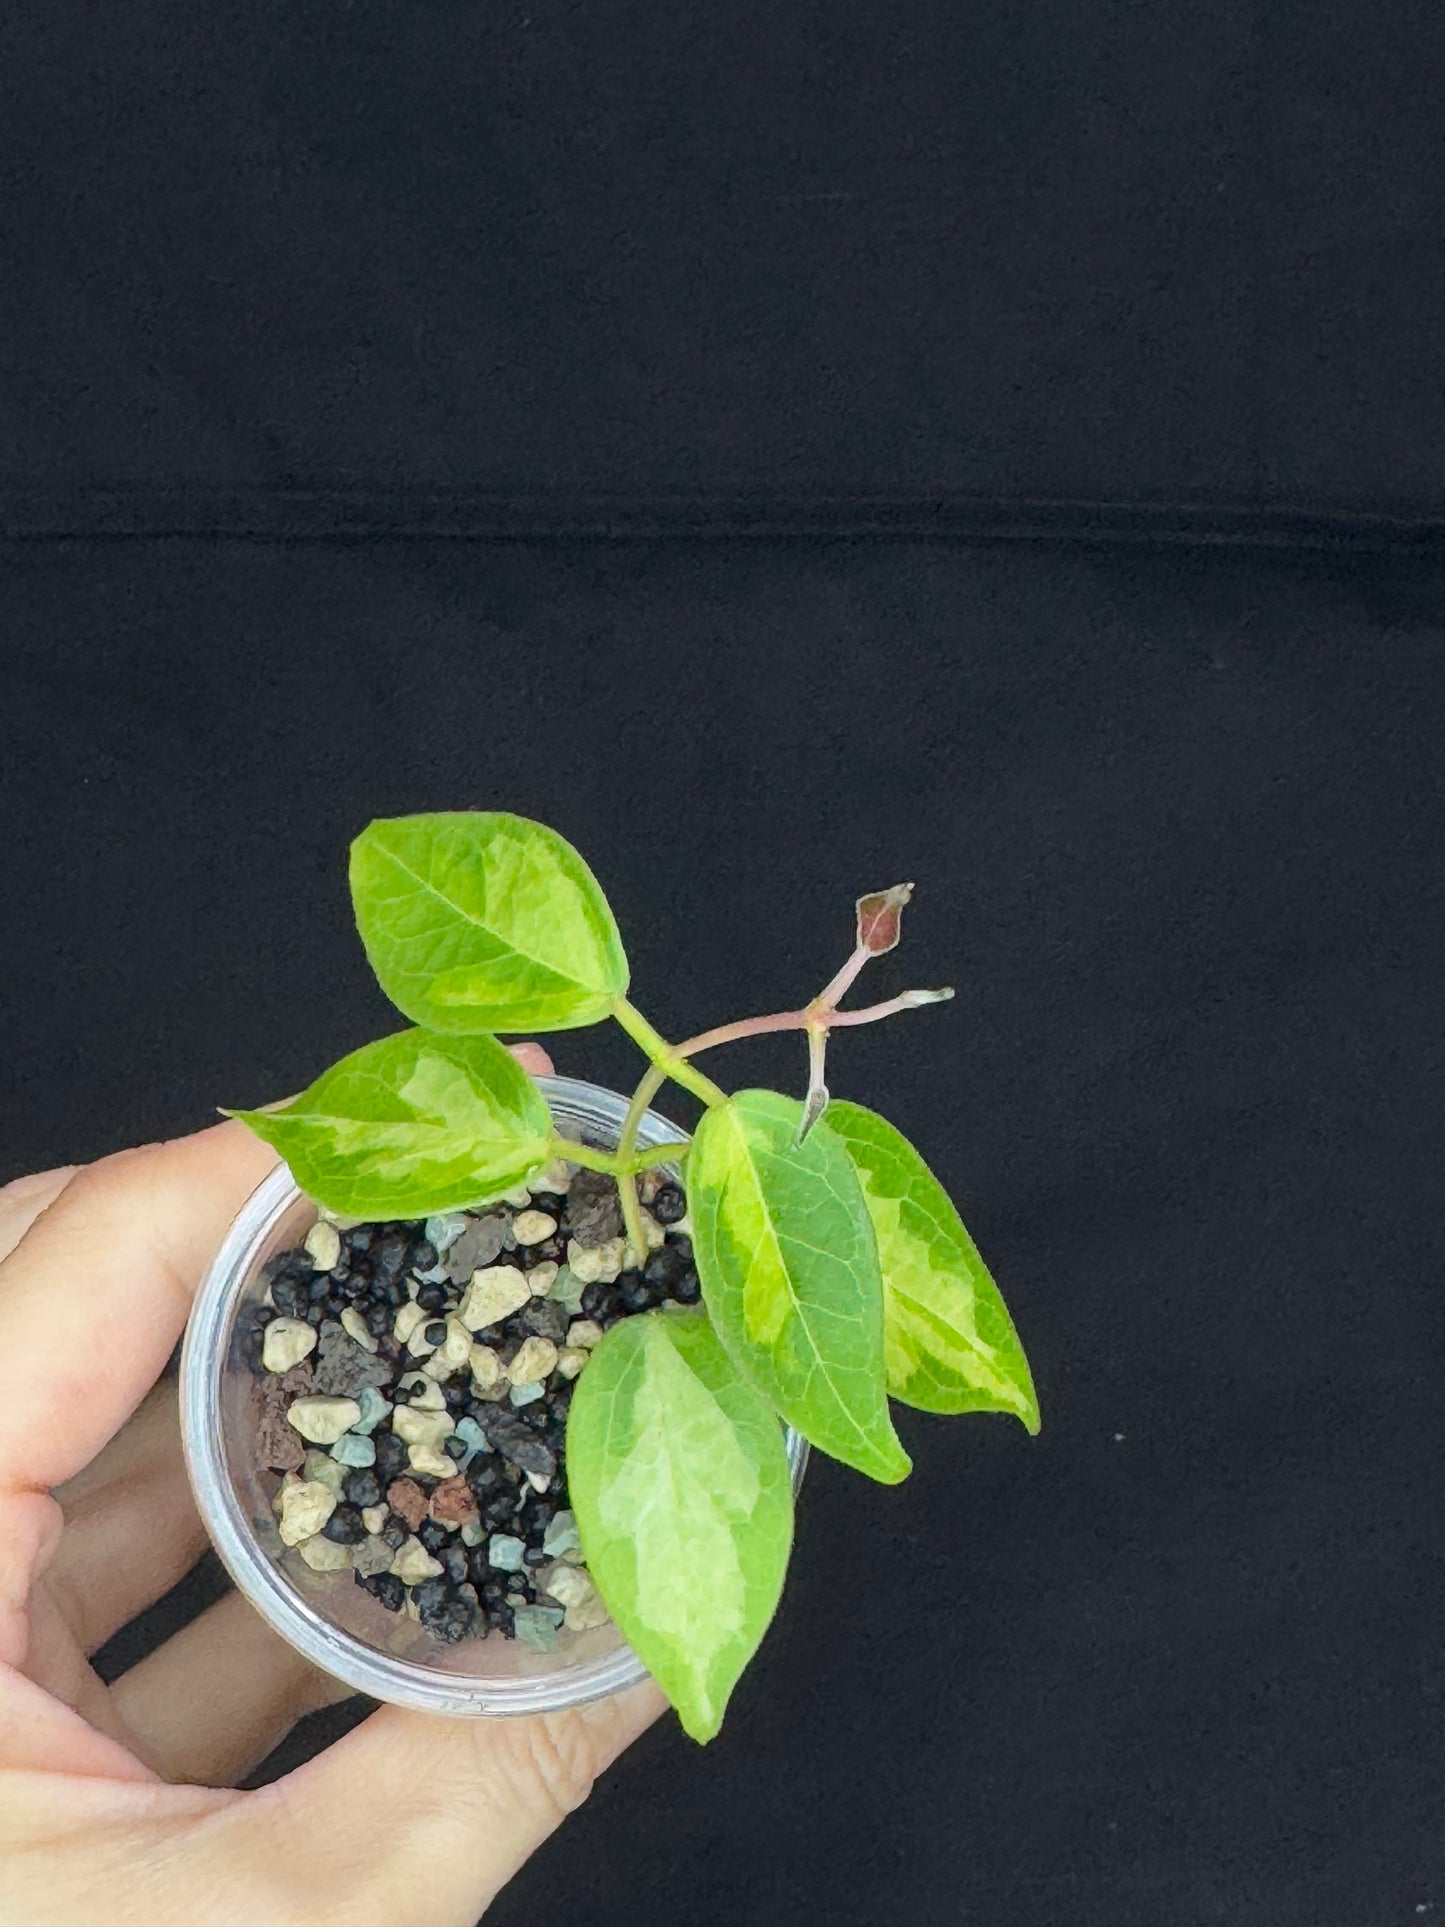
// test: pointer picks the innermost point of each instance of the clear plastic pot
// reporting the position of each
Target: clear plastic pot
(326, 1616)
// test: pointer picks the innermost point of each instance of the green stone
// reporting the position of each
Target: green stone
(561, 1536)
(374, 1409)
(505, 1552)
(538, 1626)
(321, 1469)
(351, 1449)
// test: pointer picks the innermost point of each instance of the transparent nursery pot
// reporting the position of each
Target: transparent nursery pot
(326, 1616)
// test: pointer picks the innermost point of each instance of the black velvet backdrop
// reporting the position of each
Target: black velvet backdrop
(791, 448)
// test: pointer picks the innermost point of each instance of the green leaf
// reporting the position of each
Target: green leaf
(481, 921)
(949, 1341)
(410, 1125)
(679, 1480)
(789, 1269)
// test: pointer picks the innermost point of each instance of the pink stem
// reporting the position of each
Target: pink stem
(835, 991)
(810, 1017)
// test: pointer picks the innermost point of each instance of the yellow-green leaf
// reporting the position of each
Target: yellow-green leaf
(679, 1481)
(789, 1269)
(484, 921)
(412, 1124)
(949, 1341)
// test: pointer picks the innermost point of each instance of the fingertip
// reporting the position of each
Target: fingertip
(533, 1059)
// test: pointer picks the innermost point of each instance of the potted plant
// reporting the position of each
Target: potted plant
(524, 1370)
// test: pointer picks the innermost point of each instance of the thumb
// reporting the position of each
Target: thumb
(422, 1819)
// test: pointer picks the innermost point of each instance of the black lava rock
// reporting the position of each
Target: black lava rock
(390, 1591)
(345, 1526)
(599, 1301)
(545, 1319)
(433, 1534)
(390, 1254)
(430, 1596)
(517, 1442)
(669, 1204)
(362, 1488)
(594, 1210)
(663, 1269)
(392, 1457)
(633, 1292)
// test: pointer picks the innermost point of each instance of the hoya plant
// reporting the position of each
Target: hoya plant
(835, 1273)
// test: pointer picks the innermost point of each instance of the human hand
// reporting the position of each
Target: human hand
(117, 1804)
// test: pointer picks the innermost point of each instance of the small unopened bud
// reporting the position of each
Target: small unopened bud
(911, 999)
(880, 916)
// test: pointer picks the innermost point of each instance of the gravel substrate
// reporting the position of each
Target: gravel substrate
(414, 1380)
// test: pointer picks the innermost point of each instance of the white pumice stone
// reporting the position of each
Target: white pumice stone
(286, 1342)
(337, 1218)
(323, 1420)
(584, 1331)
(519, 1197)
(429, 1399)
(584, 1261)
(487, 1369)
(305, 1508)
(576, 1589)
(413, 1563)
(372, 1555)
(572, 1361)
(554, 1177)
(453, 1351)
(597, 1264)
(533, 1360)
(374, 1519)
(492, 1295)
(430, 1462)
(354, 1325)
(409, 1320)
(323, 1242)
(421, 1427)
(473, 1533)
(323, 1554)
(321, 1467)
(538, 1481)
(531, 1227)
(653, 1232)
(541, 1278)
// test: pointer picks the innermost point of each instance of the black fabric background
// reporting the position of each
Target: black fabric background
(619, 416)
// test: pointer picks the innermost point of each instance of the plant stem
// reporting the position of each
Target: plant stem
(611, 1161)
(815, 1016)
(664, 1055)
(831, 993)
(626, 1152)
